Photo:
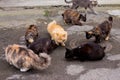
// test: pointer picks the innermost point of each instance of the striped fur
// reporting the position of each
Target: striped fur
(101, 32)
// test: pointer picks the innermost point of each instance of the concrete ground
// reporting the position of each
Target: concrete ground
(13, 23)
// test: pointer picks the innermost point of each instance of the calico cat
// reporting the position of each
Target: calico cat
(31, 34)
(82, 3)
(25, 59)
(102, 31)
(87, 51)
(43, 45)
(73, 16)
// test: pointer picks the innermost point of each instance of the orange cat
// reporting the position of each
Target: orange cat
(57, 33)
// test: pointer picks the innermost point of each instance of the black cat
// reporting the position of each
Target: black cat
(43, 45)
(87, 51)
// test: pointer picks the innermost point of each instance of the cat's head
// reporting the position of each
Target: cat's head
(94, 32)
(89, 34)
(82, 17)
(31, 33)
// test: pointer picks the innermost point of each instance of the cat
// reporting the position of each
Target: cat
(101, 32)
(86, 52)
(31, 34)
(57, 33)
(82, 3)
(73, 16)
(43, 45)
(25, 59)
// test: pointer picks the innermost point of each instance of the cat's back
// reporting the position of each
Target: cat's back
(93, 51)
(91, 47)
(40, 41)
(82, 3)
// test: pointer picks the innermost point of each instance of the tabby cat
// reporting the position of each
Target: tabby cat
(101, 32)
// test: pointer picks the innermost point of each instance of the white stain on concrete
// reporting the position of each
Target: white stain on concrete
(114, 12)
(74, 69)
(101, 74)
(14, 77)
(114, 57)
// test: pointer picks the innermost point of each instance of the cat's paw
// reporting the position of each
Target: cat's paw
(24, 69)
(107, 38)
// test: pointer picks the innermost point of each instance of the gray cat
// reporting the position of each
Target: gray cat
(82, 3)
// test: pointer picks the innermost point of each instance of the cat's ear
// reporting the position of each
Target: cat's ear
(67, 49)
(104, 47)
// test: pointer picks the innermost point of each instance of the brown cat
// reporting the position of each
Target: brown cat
(73, 16)
(82, 3)
(101, 32)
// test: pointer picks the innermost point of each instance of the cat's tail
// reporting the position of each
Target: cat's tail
(43, 62)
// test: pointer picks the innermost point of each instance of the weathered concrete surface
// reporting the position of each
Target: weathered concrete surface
(13, 23)
(114, 12)
(21, 3)
(18, 3)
